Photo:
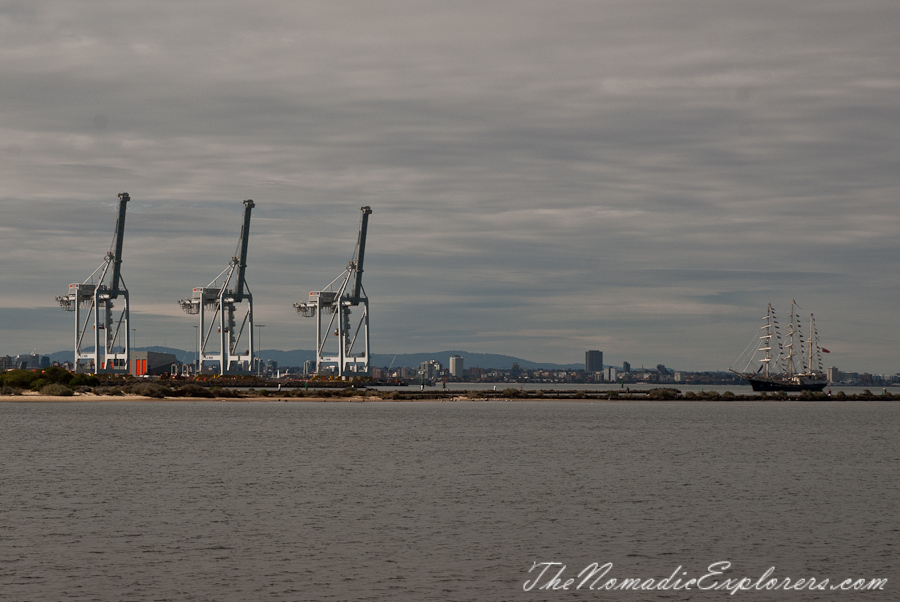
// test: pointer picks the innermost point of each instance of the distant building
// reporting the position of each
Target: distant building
(626, 367)
(849, 377)
(610, 374)
(430, 369)
(7, 362)
(593, 361)
(834, 375)
(661, 369)
(456, 366)
(29, 362)
(309, 367)
(151, 363)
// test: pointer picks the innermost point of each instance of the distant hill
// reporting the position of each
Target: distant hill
(470, 360)
(298, 357)
(68, 356)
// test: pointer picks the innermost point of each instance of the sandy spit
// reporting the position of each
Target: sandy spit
(32, 397)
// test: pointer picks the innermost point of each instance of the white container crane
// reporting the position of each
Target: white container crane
(338, 345)
(111, 345)
(223, 302)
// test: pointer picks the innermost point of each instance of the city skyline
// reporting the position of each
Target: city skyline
(544, 180)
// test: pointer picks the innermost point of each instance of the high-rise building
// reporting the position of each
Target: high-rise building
(626, 367)
(430, 369)
(834, 375)
(593, 361)
(456, 366)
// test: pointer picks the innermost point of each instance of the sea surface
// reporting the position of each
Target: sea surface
(238, 501)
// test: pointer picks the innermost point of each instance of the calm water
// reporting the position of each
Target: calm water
(439, 501)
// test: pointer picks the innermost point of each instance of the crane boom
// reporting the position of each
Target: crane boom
(242, 260)
(117, 246)
(360, 254)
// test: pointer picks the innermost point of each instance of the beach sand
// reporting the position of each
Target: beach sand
(33, 397)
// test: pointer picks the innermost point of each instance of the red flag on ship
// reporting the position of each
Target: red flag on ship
(825, 350)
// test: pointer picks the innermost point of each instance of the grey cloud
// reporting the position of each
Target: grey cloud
(542, 176)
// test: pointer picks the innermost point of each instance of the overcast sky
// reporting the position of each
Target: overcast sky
(545, 177)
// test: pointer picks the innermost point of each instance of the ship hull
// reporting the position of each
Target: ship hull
(768, 384)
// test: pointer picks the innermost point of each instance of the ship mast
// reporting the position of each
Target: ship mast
(792, 330)
(766, 338)
(814, 350)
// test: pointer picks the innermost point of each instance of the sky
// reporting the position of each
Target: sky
(545, 178)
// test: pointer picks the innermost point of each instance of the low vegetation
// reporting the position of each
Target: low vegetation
(57, 382)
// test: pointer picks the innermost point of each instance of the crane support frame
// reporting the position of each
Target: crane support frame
(342, 352)
(229, 303)
(111, 352)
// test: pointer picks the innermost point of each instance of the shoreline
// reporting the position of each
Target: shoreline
(31, 397)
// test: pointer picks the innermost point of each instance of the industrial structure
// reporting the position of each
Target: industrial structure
(109, 336)
(338, 345)
(146, 363)
(223, 300)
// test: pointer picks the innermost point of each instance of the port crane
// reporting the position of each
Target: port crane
(111, 346)
(338, 344)
(224, 301)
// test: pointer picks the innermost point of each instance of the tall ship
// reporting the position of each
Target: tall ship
(795, 365)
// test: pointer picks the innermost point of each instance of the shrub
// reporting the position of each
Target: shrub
(224, 393)
(102, 390)
(7, 390)
(84, 380)
(55, 374)
(148, 390)
(192, 390)
(37, 385)
(510, 392)
(662, 393)
(21, 379)
(57, 390)
(728, 395)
